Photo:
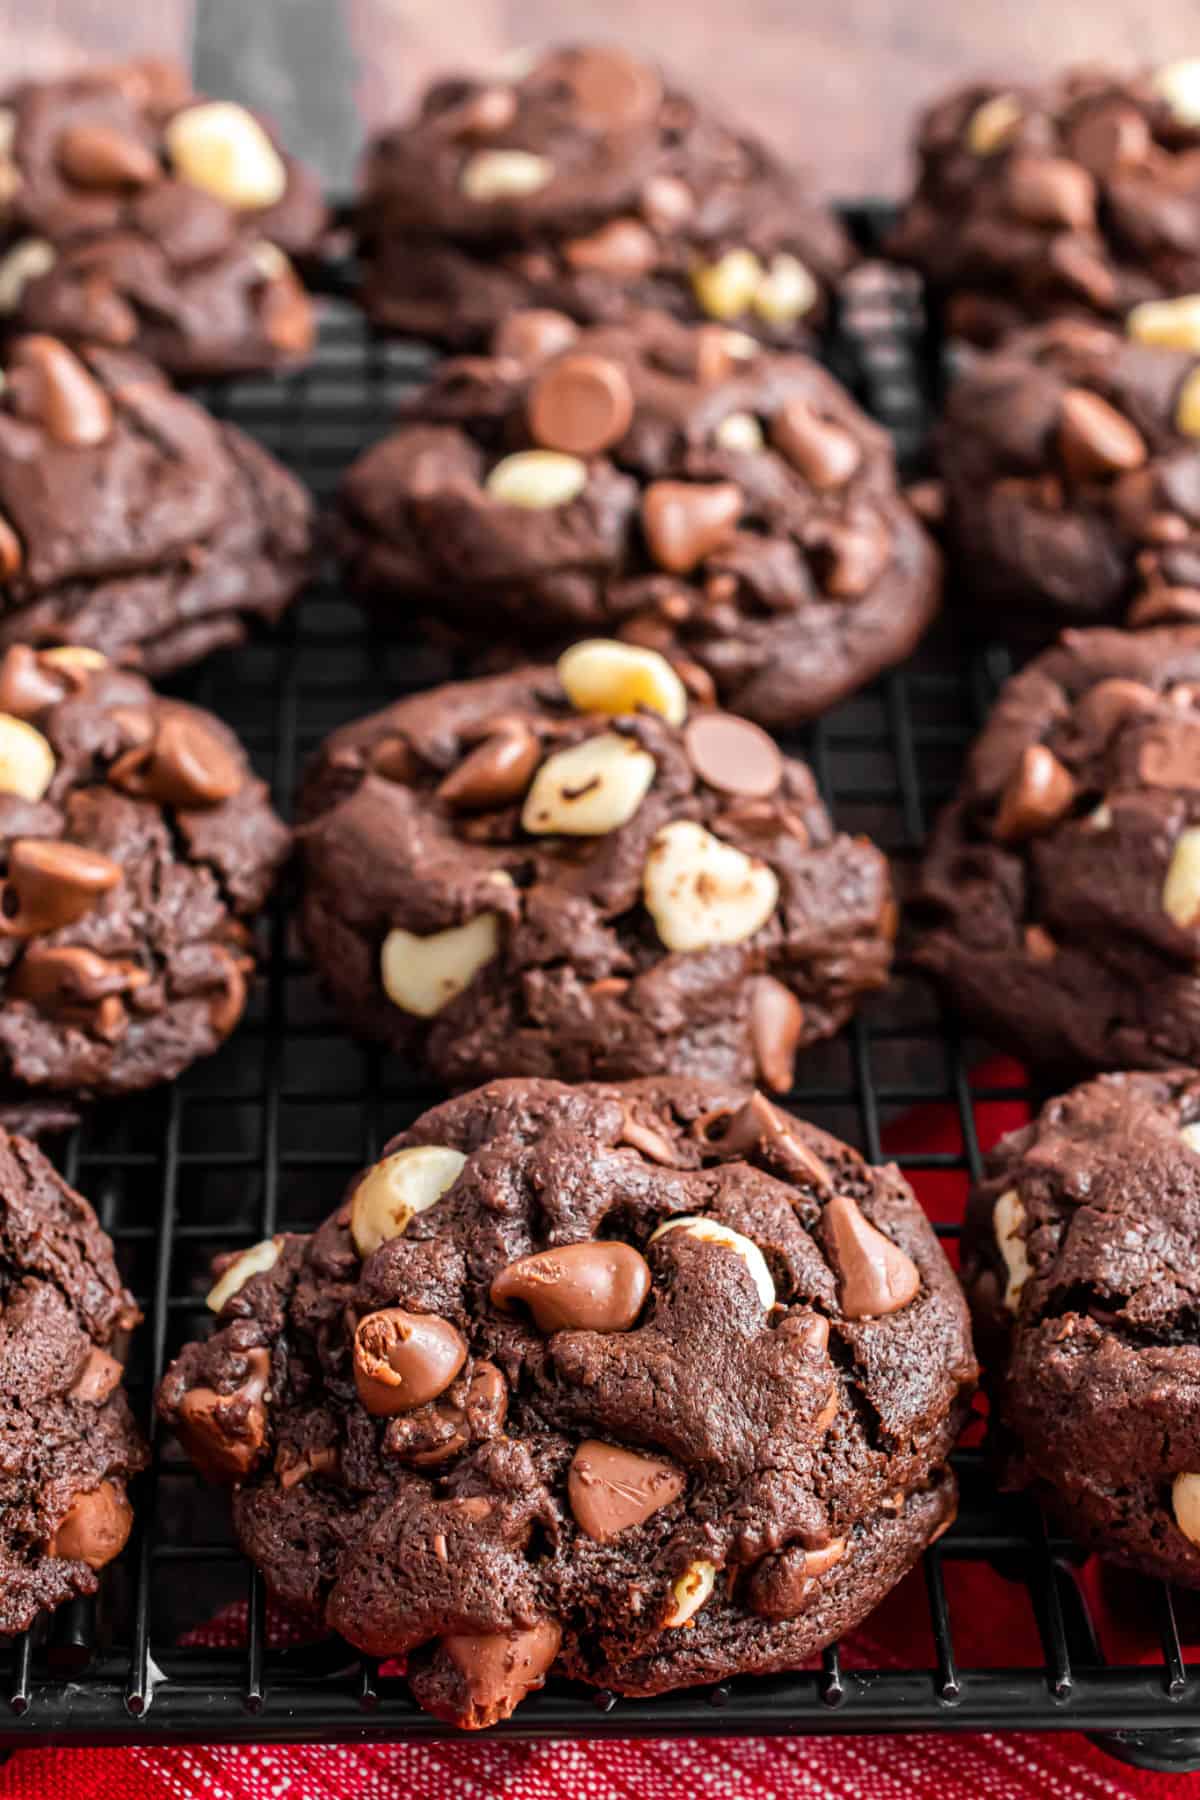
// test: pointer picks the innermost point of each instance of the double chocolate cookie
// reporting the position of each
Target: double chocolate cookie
(1080, 1260)
(146, 217)
(728, 505)
(135, 842)
(588, 184)
(1071, 466)
(1078, 196)
(69, 1440)
(1062, 886)
(130, 519)
(651, 1385)
(567, 873)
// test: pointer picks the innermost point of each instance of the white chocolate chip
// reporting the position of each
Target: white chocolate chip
(504, 174)
(605, 676)
(992, 124)
(701, 892)
(73, 656)
(1169, 324)
(1181, 889)
(689, 1593)
(1100, 818)
(786, 292)
(1187, 404)
(741, 346)
(590, 789)
(537, 479)
(30, 258)
(1178, 83)
(422, 975)
(713, 1232)
(26, 759)
(726, 289)
(1191, 1136)
(390, 1195)
(1185, 1503)
(255, 1261)
(739, 431)
(270, 260)
(221, 148)
(1008, 1223)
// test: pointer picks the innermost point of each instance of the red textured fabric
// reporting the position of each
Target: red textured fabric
(992, 1623)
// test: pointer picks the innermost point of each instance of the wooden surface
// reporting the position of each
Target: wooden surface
(834, 82)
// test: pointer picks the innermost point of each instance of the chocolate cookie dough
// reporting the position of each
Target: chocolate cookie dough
(1079, 196)
(147, 217)
(130, 519)
(1062, 886)
(587, 184)
(1071, 469)
(1081, 1263)
(680, 486)
(568, 873)
(651, 1385)
(135, 843)
(70, 1443)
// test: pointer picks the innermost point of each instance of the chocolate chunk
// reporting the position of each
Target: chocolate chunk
(403, 1359)
(582, 1287)
(610, 1489)
(875, 1275)
(581, 404)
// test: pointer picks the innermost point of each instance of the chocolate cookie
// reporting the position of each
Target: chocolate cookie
(1062, 886)
(70, 1443)
(650, 1384)
(1071, 467)
(725, 504)
(1081, 196)
(588, 184)
(564, 873)
(1081, 1263)
(135, 842)
(130, 519)
(149, 218)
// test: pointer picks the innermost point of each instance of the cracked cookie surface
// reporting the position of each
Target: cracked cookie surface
(136, 843)
(500, 882)
(130, 519)
(590, 185)
(150, 218)
(1079, 1259)
(652, 1384)
(677, 486)
(68, 1442)
(1061, 889)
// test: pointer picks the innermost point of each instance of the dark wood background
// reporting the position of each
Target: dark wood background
(834, 82)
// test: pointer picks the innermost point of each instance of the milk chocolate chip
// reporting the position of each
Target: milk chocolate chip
(100, 156)
(185, 765)
(592, 1286)
(782, 1586)
(496, 772)
(403, 1359)
(97, 1378)
(733, 755)
(1094, 439)
(95, 1527)
(685, 521)
(1039, 792)
(499, 1668)
(224, 1434)
(50, 385)
(875, 1275)
(823, 452)
(51, 883)
(613, 91)
(611, 1489)
(759, 1128)
(582, 404)
(776, 1027)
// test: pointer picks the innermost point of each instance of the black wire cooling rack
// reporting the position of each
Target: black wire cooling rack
(265, 1135)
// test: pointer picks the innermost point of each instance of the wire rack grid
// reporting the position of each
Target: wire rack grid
(264, 1136)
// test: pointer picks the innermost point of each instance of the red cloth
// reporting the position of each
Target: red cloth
(992, 1624)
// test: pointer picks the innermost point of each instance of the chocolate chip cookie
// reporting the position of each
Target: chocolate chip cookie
(147, 217)
(1080, 1261)
(588, 184)
(651, 1385)
(1078, 196)
(568, 872)
(130, 519)
(136, 843)
(1071, 465)
(679, 486)
(1062, 885)
(70, 1443)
